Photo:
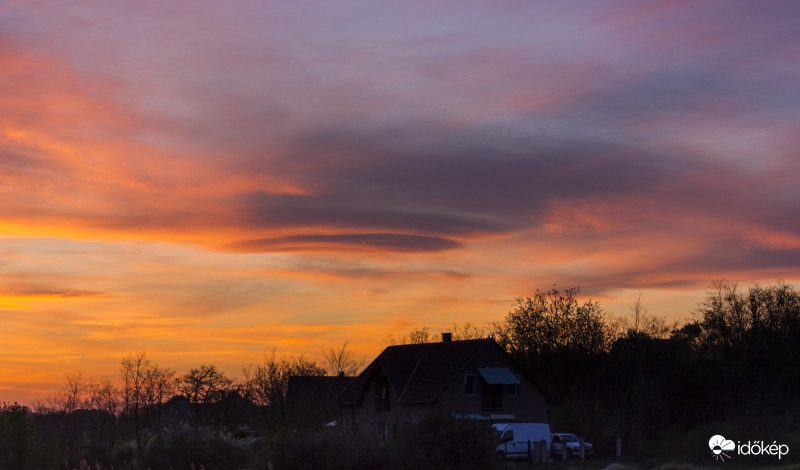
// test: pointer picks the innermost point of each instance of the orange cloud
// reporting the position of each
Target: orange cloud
(209, 185)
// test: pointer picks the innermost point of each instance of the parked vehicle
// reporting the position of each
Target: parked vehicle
(573, 444)
(518, 439)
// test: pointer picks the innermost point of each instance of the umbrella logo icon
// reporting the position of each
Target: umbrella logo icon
(719, 445)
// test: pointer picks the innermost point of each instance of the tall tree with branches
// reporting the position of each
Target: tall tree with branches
(555, 336)
(342, 361)
(204, 384)
(266, 384)
(145, 386)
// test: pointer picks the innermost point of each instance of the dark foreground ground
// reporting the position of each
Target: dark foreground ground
(598, 464)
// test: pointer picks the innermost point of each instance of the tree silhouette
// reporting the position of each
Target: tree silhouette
(145, 386)
(203, 384)
(342, 361)
(266, 384)
(761, 324)
(555, 336)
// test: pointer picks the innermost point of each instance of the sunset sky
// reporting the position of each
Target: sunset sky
(206, 181)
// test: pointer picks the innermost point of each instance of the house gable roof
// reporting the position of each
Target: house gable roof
(417, 373)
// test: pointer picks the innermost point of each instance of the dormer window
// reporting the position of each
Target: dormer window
(497, 384)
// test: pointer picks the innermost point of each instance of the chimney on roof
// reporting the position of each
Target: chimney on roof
(447, 337)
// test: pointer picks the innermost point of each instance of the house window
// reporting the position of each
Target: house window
(471, 384)
(383, 432)
(383, 399)
(492, 397)
(513, 389)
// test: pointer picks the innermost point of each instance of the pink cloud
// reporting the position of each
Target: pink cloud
(190, 180)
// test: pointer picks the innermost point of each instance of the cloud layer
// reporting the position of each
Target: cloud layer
(187, 170)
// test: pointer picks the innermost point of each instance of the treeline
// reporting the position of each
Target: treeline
(732, 369)
(663, 388)
(152, 417)
(143, 383)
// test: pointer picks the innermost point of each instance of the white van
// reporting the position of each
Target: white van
(515, 439)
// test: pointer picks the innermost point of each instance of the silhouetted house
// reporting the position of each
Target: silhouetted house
(314, 400)
(178, 410)
(231, 410)
(473, 379)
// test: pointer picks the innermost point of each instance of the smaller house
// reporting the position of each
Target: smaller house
(473, 379)
(313, 401)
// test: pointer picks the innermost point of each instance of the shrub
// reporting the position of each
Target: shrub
(21, 445)
(319, 449)
(444, 442)
(182, 450)
(439, 442)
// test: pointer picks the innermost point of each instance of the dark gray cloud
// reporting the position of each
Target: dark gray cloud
(480, 181)
(357, 241)
(349, 268)
(469, 183)
(734, 255)
(730, 258)
(40, 290)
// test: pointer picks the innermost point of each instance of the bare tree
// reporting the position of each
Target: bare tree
(342, 361)
(72, 396)
(105, 396)
(753, 324)
(133, 371)
(144, 387)
(641, 324)
(159, 385)
(416, 336)
(266, 384)
(47, 405)
(470, 331)
(204, 384)
(421, 335)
